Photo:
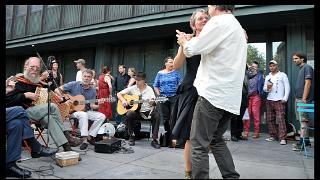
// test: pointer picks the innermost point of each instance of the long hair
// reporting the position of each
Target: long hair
(301, 56)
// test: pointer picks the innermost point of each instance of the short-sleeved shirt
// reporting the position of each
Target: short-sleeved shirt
(76, 87)
(306, 72)
(167, 83)
(147, 93)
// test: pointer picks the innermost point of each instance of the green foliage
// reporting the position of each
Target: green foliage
(254, 55)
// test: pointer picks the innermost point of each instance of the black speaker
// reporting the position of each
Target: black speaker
(108, 145)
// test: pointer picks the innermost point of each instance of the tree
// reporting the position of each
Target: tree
(254, 55)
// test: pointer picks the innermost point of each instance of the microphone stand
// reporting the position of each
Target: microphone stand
(49, 84)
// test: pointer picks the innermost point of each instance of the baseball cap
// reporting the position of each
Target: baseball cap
(82, 61)
(273, 61)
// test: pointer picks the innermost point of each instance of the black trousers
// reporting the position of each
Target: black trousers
(166, 108)
(236, 124)
(133, 117)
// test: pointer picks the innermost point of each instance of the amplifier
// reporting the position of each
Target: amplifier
(108, 145)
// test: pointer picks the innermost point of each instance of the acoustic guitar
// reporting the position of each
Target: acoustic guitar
(133, 102)
(78, 102)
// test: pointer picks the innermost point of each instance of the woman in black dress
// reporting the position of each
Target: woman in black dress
(187, 95)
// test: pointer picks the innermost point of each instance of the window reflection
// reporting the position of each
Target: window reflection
(279, 54)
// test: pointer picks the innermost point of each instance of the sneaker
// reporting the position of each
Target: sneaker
(83, 146)
(155, 144)
(270, 139)
(283, 142)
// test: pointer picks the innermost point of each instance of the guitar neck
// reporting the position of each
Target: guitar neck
(96, 100)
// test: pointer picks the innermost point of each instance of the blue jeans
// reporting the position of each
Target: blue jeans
(18, 128)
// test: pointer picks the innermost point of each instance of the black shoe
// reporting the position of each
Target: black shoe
(16, 171)
(131, 141)
(155, 144)
(44, 152)
(233, 138)
(83, 146)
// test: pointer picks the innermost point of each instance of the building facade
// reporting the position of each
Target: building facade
(141, 36)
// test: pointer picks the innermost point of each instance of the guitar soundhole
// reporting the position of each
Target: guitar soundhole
(76, 103)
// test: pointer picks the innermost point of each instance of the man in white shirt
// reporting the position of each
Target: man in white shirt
(223, 48)
(81, 65)
(278, 88)
(147, 108)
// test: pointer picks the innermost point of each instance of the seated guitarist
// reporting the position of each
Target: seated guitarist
(146, 93)
(84, 88)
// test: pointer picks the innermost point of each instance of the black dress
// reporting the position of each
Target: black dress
(187, 95)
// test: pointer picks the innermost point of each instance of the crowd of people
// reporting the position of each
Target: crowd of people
(216, 91)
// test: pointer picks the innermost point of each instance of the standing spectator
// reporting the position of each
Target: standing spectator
(304, 93)
(121, 81)
(187, 95)
(219, 83)
(278, 88)
(131, 73)
(52, 75)
(165, 84)
(255, 94)
(81, 65)
(105, 91)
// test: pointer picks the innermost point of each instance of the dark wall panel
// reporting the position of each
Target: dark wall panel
(34, 23)
(118, 12)
(20, 26)
(93, 14)
(52, 19)
(71, 16)
(8, 28)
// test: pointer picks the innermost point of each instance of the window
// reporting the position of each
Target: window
(257, 52)
(310, 46)
(21, 10)
(279, 54)
(9, 11)
(35, 8)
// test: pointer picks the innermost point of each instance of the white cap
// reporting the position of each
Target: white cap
(273, 61)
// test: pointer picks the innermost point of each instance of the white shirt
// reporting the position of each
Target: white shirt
(280, 89)
(223, 48)
(79, 76)
(147, 93)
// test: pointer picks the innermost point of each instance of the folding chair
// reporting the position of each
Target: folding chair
(36, 125)
(39, 130)
(303, 107)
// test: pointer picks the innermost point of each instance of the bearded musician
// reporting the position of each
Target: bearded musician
(23, 94)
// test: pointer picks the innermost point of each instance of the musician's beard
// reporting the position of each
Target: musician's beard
(30, 78)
